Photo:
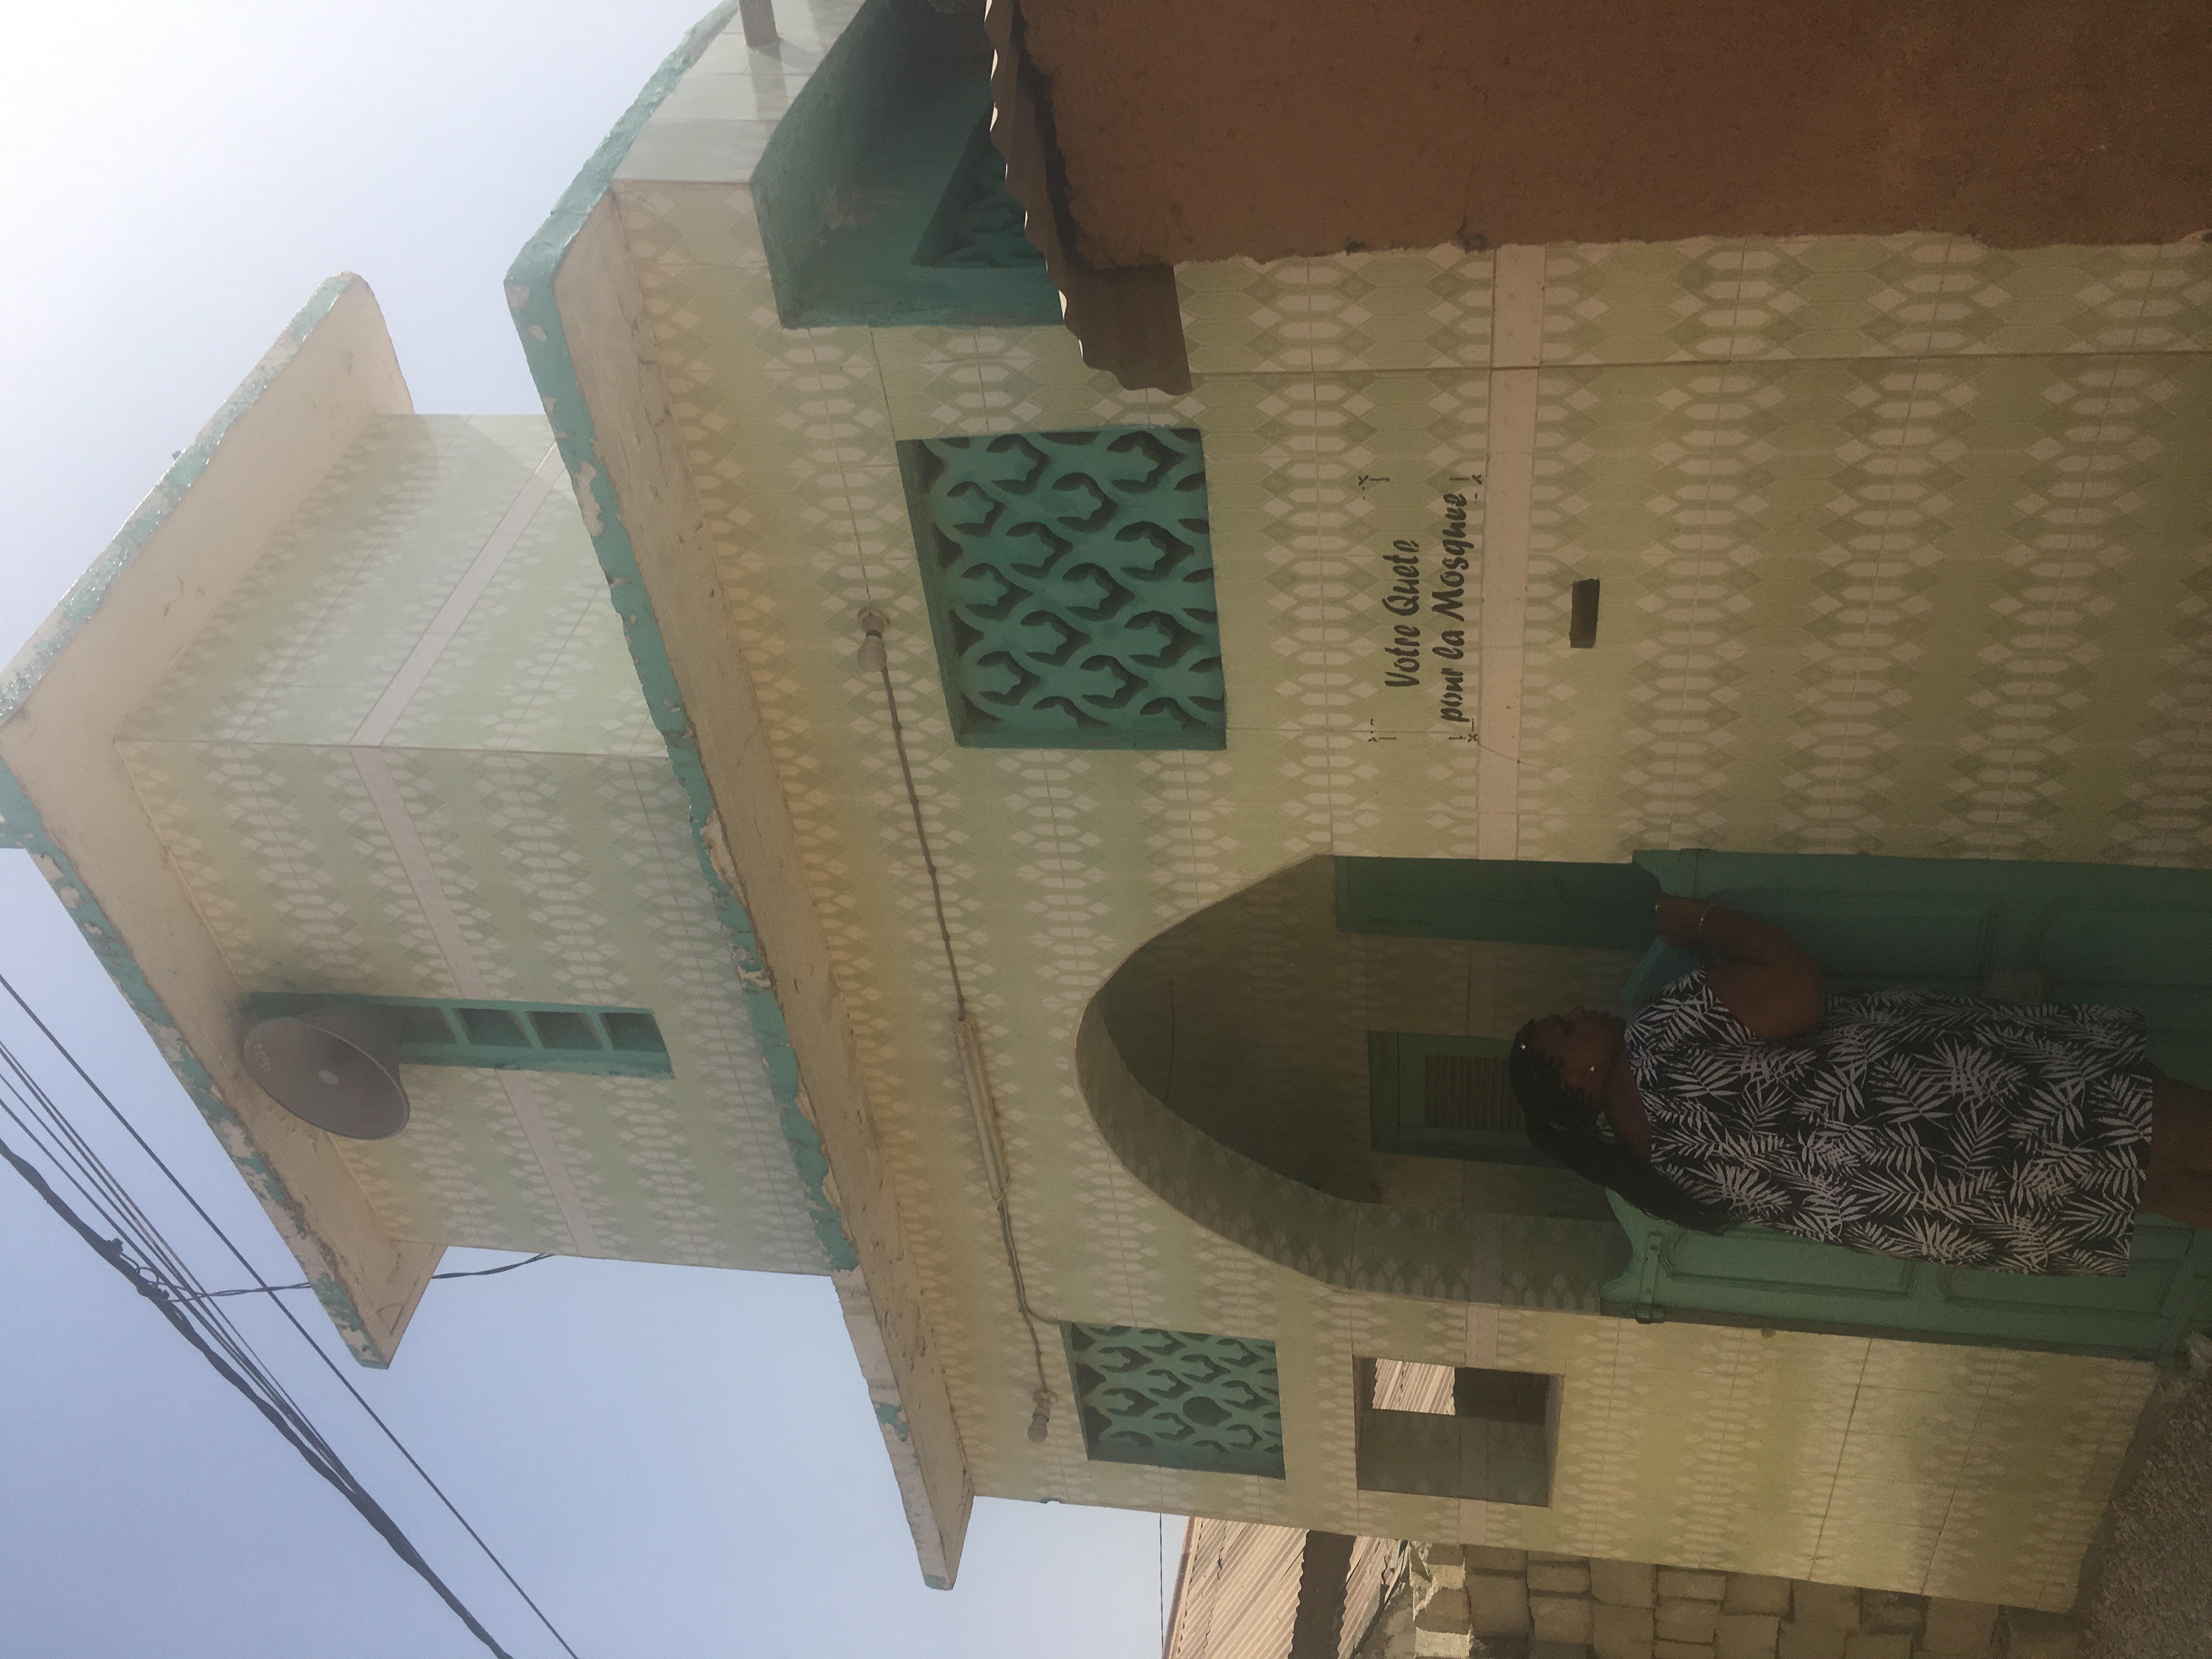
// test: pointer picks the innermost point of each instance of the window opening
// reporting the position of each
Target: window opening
(634, 1032)
(1455, 1432)
(560, 1029)
(491, 1028)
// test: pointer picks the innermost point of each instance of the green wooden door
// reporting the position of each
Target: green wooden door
(1776, 1278)
(2023, 932)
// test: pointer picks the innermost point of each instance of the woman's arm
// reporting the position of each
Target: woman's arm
(1764, 979)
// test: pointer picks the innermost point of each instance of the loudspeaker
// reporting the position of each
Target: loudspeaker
(336, 1066)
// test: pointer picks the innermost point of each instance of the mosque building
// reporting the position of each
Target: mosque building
(1023, 745)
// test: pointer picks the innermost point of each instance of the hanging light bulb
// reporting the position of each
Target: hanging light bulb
(871, 654)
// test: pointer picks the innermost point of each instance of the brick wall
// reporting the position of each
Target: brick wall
(1510, 1604)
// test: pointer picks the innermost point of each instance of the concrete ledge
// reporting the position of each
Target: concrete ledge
(618, 434)
(580, 313)
(65, 797)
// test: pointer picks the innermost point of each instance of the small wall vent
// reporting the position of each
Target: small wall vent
(1444, 1096)
(513, 1036)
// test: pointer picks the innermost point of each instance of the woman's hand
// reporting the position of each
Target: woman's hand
(1765, 978)
(1679, 918)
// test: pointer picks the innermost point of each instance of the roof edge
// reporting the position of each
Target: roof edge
(66, 799)
(1127, 321)
(889, 1333)
(553, 369)
(534, 267)
(67, 619)
(328, 1265)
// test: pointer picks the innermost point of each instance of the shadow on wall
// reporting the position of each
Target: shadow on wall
(1227, 1064)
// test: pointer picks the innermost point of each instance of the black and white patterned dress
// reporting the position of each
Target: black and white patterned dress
(1994, 1135)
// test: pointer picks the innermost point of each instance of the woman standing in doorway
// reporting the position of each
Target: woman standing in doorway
(2013, 1138)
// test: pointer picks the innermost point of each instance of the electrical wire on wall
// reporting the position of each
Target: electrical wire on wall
(306, 1284)
(135, 1247)
(967, 1033)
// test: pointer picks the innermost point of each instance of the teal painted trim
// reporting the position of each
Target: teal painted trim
(1516, 901)
(1756, 1276)
(2017, 929)
(541, 256)
(978, 224)
(615, 1041)
(862, 183)
(545, 345)
(22, 826)
(85, 597)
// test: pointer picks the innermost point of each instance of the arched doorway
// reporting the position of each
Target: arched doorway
(1241, 1064)
(1254, 1066)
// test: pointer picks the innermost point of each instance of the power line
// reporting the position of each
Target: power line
(873, 654)
(208, 1328)
(310, 1446)
(308, 1284)
(55, 1136)
(234, 1343)
(330, 1366)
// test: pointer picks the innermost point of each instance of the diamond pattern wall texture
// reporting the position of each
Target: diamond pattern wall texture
(1070, 579)
(544, 813)
(1819, 479)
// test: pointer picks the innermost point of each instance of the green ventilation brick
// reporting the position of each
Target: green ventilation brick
(505, 1036)
(1070, 579)
(1177, 1400)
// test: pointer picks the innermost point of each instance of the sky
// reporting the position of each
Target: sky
(672, 1460)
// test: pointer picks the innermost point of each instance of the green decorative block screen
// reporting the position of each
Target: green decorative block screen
(1177, 1400)
(1070, 579)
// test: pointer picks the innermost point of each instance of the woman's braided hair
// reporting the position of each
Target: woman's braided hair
(1563, 1127)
